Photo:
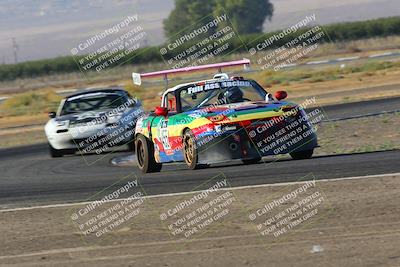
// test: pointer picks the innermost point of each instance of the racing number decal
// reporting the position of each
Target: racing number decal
(164, 134)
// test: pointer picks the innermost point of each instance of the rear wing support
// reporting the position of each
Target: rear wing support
(137, 77)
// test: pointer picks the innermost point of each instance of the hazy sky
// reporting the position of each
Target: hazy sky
(49, 28)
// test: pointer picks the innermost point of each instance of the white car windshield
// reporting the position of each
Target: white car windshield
(92, 102)
(218, 93)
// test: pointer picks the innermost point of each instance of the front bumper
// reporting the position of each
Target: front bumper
(257, 140)
(91, 141)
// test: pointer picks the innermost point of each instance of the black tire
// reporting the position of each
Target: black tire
(131, 146)
(131, 143)
(190, 151)
(145, 155)
(305, 154)
(55, 153)
(251, 161)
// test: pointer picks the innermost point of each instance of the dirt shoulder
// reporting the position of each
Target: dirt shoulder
(356, 224)
(366, 134)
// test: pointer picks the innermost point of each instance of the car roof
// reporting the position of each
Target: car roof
(119, 91)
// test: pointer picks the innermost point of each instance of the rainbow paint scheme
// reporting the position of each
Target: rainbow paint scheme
(222, 132)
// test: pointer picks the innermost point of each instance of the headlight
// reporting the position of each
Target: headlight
(62, 123)
(113, 119)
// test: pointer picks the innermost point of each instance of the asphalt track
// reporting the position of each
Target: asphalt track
(361, 108)
(28, 176)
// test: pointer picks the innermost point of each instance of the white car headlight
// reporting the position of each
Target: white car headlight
(62, 123)
(114, 118)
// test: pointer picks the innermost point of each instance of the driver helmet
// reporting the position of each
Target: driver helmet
(233, 95)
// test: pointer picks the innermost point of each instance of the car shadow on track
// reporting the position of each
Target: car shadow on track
(267, 160)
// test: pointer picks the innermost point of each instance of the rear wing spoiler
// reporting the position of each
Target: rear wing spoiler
(137, 77)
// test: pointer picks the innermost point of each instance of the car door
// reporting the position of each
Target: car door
(166, 139)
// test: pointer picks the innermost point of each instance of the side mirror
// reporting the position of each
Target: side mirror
(161, 111)
(52, 115)
(279, 95)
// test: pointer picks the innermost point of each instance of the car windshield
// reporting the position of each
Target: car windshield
(218, 93)
(90, 102)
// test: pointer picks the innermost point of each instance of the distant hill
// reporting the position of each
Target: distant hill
(48, 28)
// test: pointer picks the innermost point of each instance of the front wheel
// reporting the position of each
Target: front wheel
(55, 153)
(131, 145)
(190, 150)
(251, 161)
(305, 154)
(145, 155)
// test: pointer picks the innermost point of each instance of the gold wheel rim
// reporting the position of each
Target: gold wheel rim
(189, 149)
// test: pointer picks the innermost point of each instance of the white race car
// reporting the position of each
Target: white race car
(92, 122)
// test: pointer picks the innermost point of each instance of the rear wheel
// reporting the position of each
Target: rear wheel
(55, 153)
(145, 155)
(305, 154)
(190, 150)
(251, 161)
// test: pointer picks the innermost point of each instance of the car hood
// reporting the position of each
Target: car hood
(83, 117)
(245, 110)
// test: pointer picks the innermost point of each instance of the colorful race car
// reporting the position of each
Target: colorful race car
(218, 120)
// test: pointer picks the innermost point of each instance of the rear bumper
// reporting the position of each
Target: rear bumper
(255, 141)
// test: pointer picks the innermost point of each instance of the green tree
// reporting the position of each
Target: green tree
(247, 16)
(186, 14)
